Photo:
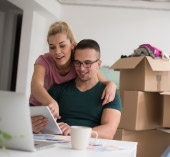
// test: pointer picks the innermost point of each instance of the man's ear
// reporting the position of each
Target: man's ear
(99, 63)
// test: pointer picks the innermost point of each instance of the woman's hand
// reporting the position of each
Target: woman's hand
(38, 123)
(54, 108)
(65, 128)
(109, 92)
(40, 93)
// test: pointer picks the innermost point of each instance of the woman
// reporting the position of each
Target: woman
(56, 67)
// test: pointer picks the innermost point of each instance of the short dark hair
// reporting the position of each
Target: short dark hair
(88, 43)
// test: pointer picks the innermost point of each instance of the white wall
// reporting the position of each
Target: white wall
(38, 34)
(119, 30)
(37, 17)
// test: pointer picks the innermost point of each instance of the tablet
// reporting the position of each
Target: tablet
(52, 127)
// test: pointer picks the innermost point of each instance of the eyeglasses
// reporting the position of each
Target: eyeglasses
(86, 64)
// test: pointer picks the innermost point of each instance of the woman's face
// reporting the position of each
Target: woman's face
(60, 48)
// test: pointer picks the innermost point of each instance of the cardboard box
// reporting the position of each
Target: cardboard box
(141, 110)
(143, 74)
(151, 143)
(166, 109)
(121, 93)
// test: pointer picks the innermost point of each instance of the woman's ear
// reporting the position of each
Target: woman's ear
(73, 45)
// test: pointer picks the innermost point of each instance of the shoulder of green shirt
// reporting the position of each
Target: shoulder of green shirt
(115, 104)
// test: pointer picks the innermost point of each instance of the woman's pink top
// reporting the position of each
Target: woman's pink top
(51, 75)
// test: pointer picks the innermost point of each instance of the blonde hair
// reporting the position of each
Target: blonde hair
(61, 27)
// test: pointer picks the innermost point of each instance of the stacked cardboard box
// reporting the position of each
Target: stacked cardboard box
(144, 90)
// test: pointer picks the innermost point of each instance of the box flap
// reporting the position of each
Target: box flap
(127, 63)
(164, 130)
(159, 64)
(165, 93)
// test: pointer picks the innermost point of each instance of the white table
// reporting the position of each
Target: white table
(125, 149)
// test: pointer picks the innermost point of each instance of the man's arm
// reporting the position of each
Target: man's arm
(109, 122)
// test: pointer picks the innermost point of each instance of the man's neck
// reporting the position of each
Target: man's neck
(86, 85)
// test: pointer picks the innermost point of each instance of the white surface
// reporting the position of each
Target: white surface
(52, 127)
(62, 150)
(15, 120)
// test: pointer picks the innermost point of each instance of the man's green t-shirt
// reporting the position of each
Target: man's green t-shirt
(81, 108)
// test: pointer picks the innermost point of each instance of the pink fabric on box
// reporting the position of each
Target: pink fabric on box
(51, 76)
(154, 49)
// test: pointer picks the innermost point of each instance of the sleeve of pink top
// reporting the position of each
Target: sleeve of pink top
(42, 60)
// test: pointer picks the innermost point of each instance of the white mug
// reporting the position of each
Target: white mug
(80, 137)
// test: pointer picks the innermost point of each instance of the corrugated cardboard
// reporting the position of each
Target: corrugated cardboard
(141, 110)
(121, 93)
(143, 74)
(166, 109)
(151, 143)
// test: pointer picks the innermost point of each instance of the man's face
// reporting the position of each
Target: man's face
(91, 63)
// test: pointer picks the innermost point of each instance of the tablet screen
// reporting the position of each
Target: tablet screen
(52, 127)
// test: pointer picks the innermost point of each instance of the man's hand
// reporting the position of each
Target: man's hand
(54, 108)
(65, 128)
(38, 123)
(109, 93)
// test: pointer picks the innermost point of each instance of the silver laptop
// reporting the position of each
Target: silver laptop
(15, 121)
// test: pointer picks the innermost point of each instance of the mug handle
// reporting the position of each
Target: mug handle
(96, 133)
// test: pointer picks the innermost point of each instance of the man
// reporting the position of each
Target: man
(79, 99)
